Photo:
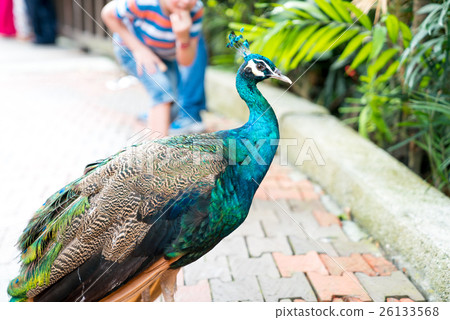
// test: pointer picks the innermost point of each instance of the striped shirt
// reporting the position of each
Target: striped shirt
(150, 25)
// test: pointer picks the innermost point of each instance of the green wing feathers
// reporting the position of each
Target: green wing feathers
(41, 241)
(106, 201)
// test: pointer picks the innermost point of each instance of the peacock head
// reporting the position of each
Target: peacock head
(257, 68)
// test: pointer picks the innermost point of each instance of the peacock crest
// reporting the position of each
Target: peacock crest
(239, 43)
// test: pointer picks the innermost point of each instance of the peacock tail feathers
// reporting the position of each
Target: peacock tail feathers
(38, 257)
(49, 211)
(41, 241)
(36, 275)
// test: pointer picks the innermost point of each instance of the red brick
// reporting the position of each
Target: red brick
(317, 205)
(352, 299)
(326, 219)
(270, 183)
(328, 286)
(406, 300)
(291, 193)
(200, 292)
(399, 300)
(286, 182)
(299, 300)
(309, 195)
(260, 194)
(381, 266)
(354, 263)
(305, 184)
(276, 169)
(346, 299)
(287, 265)
(275, 194)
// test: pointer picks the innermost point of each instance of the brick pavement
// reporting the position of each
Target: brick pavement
(295, 245)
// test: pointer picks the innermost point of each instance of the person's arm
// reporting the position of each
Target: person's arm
(142, 54)
(186, 47)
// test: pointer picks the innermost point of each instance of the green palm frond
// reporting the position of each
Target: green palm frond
(298, 32)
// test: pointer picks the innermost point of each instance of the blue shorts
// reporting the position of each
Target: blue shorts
(161, 86)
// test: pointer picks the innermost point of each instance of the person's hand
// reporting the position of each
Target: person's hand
(146, 58)
(181, 24)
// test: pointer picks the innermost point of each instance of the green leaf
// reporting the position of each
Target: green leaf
(428, 8)
(362, 55)
(392, 69)
(364, 78)
(325, 42)
(250, 28)
(360, 16)
(405, 142)
(285, 58)
(350, 120)
(418, 37)
(432, 107)
(444, 14)
(299, 41)
(300, 13)
(392, 26)
(412, 68)
(342, 10)
(445, 164)
(276, 38)
(378, 40)
(350, 109)
(353, 45)
(406, 34)
(382, 127)
(344, 37)
(263, 22)
(363, 121)
(261, 5)
(381, 62)
(329, 10)
(307, 7)
(304, 50)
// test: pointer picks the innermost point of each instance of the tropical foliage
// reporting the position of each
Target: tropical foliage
(427, 69)
(387, 81)
(218, 15)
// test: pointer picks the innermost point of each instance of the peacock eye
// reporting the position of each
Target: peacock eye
(260, 67)
(248, 70)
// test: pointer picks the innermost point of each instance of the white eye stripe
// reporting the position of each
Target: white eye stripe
(255, 70)
(267, 66)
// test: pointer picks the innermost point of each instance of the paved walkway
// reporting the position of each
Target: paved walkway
(61, 110)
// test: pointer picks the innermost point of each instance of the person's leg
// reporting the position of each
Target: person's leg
(159, 118)
(192, 89)
(32, 11)
(161, 87)
(192, 94)
(47, 22)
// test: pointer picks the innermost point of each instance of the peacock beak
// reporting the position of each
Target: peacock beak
(277, 75)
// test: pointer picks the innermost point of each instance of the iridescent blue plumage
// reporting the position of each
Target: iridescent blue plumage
(231, 199)
(152, 207)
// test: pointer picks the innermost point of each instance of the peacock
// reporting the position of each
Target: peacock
(134, 219)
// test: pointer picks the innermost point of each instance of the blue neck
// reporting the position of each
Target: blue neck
(262, 122)
(260, 133)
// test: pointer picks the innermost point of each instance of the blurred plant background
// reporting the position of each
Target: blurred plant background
(381, 66)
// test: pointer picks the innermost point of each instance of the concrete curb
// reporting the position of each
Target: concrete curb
(407, 216)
